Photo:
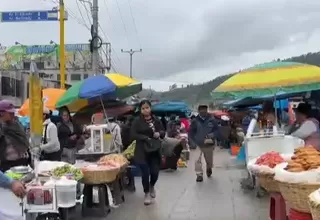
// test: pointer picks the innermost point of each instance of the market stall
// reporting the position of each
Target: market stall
(54, 187)
(292, 180)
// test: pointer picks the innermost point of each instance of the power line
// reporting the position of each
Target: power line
(134, 23)
(113, 50)
(70, 13)
(84, 20)
(88, 12)
(121, 18)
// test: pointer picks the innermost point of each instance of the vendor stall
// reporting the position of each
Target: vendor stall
(54, 187)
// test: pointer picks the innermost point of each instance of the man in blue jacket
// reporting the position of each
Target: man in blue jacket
(203, 132)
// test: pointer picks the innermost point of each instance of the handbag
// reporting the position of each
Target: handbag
(152, 145)
(198, 165)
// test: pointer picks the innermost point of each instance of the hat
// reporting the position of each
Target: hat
(7, 106)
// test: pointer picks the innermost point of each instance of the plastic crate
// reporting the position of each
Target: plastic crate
(40, 199)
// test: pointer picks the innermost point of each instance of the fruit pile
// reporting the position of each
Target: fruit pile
(270, 159)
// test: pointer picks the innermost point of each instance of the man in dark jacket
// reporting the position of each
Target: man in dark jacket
(203, 131)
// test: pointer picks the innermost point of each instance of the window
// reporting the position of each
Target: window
(58, 77)
(26, 65)
(10, 86)
(85, 76)
(75, 77)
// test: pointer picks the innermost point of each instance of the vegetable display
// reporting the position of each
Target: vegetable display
(13, 175)
(270, 159)
(129, 152)
(67, 170)
(304, 158)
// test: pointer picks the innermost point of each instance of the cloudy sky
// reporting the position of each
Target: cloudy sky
(183, 41)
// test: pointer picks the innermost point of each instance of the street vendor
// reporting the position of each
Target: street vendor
(14, 144)
(50, 145)
(307, 127)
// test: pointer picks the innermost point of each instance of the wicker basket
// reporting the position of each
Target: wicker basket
(314, 206)
(99, 176)
(296, 195)
(267, 181)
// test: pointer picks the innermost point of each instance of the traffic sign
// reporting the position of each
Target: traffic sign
(24, 16)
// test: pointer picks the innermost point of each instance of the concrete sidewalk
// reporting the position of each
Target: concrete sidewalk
(180, 197)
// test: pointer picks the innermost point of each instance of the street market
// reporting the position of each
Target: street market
(80, 140)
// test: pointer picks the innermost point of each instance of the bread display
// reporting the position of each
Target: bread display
(304, 158)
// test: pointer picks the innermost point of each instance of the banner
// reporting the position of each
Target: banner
(77, 55)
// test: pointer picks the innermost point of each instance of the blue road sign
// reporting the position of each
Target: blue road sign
(24, 16)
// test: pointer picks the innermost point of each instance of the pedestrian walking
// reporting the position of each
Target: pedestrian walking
(203, 131)
(148, 133)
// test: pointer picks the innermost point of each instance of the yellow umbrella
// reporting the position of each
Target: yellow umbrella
(270, 79)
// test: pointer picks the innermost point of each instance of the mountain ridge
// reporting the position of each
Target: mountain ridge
(200, 93)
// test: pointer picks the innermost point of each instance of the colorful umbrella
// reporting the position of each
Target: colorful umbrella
(95, 88)
(270, 79)
(50, 99)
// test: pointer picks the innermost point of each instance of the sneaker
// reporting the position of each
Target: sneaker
(152, 192)
(209, 172)
(199, 179)
(147, 199)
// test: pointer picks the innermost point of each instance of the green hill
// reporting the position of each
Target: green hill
(195, 94)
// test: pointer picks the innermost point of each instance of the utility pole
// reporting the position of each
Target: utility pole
(62, 46)
(95, 37)
(131, 52)
(95, 42)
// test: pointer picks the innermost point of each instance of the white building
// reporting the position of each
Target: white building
(15, 65)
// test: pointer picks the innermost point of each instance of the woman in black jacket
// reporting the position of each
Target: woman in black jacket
(69, 134)
(148, 131)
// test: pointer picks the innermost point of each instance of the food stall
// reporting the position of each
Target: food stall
(52, 188)
(292, 180)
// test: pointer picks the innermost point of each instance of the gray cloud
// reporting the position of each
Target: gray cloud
(181, 37)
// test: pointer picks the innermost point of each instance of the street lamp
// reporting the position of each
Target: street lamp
(17, 43)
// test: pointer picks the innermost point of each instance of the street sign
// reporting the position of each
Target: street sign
(24, 16)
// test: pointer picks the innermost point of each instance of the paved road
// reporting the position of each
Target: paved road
(180, 197)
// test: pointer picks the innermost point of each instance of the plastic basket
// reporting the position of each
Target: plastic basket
(100, 176)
